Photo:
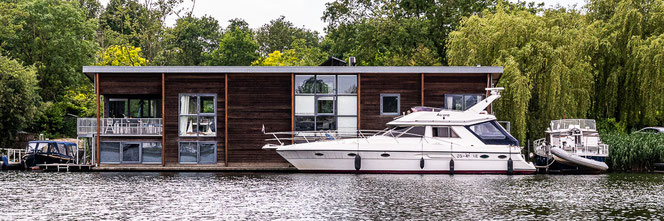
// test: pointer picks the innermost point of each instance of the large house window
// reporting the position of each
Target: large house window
(134, 108)
(326, 102)
(390, 104)
(130, 152)
(198, 153)
(461, 101)
(198, 115)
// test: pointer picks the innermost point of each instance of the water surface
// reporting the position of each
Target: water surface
(235, 196)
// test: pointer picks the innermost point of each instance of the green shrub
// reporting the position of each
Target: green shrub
(634, 152)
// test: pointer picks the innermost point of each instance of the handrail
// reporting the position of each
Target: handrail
(336, 136)
(120, 126)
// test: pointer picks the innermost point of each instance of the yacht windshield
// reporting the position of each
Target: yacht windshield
(31, 148)
(487, 131)
(491, 132)
(37, 147)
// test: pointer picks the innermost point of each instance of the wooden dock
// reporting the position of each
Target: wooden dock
(160, 168)
(65, 167)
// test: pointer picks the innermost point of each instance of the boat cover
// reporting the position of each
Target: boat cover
(569, 158)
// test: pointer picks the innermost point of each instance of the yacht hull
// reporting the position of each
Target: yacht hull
(343, 161)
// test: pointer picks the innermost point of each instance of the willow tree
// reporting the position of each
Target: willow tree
(547, 73)
(629, 60)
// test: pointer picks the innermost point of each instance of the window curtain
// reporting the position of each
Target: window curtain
(184, 109)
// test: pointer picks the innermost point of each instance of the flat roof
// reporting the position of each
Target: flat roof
(296, 69)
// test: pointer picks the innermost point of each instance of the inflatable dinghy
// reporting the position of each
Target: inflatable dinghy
(564, 157)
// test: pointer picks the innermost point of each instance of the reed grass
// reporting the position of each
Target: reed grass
(634, 152)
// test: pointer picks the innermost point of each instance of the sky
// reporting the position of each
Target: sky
(302, 13)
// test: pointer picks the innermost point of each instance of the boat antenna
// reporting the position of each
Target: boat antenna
(483, 104)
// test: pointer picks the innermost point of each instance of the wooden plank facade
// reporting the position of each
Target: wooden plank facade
(249, 97)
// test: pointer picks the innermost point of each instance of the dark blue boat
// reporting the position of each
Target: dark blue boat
(47, 152)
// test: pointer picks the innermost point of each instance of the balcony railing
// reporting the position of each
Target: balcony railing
(120, 126)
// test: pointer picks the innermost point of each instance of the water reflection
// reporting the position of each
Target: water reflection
(328, 196)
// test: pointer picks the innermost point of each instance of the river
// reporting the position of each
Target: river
(240, 196)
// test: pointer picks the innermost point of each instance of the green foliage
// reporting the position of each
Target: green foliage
(634, 152)
(58, 39)
(118, 55)
(58, 119)
(237, 47)
(280, 34)
(610, 125)
(18, 99)
(547, 73)
(408, 32)
(189, 41)
(136, 23)
(300, 55)
(9, 13)
(629, 61)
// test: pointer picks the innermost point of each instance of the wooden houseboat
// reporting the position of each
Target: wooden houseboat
(174, 116)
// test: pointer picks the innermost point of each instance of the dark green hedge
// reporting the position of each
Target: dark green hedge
(634, 152)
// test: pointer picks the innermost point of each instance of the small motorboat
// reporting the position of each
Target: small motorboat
(428, 140)
(48, 152)
(571, 145)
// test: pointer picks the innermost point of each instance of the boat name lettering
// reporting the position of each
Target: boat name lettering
(466, 155)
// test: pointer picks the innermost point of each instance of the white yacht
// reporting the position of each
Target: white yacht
(572, 145)
(428, 140)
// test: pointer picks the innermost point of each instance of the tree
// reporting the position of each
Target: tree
(279, 34)
(57, 39)
(300, 55)
(189, 41)
(9, 14)
(237, 47)
(394, 32)
(121, 56)
(628, 61)
(18, 99)
(547, 71)
(136, 23)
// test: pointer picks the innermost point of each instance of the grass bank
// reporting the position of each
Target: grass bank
(637, 152)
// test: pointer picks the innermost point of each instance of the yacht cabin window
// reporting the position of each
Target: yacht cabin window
(446, 132)
(62, 149)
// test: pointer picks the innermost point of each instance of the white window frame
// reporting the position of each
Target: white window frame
(198, 114)
(198, 151)
(335, 97)
(140, 152)
(398, 104)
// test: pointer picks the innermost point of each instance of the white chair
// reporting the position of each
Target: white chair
(109, 126)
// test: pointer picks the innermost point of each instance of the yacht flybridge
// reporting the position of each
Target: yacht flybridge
(428, 140)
